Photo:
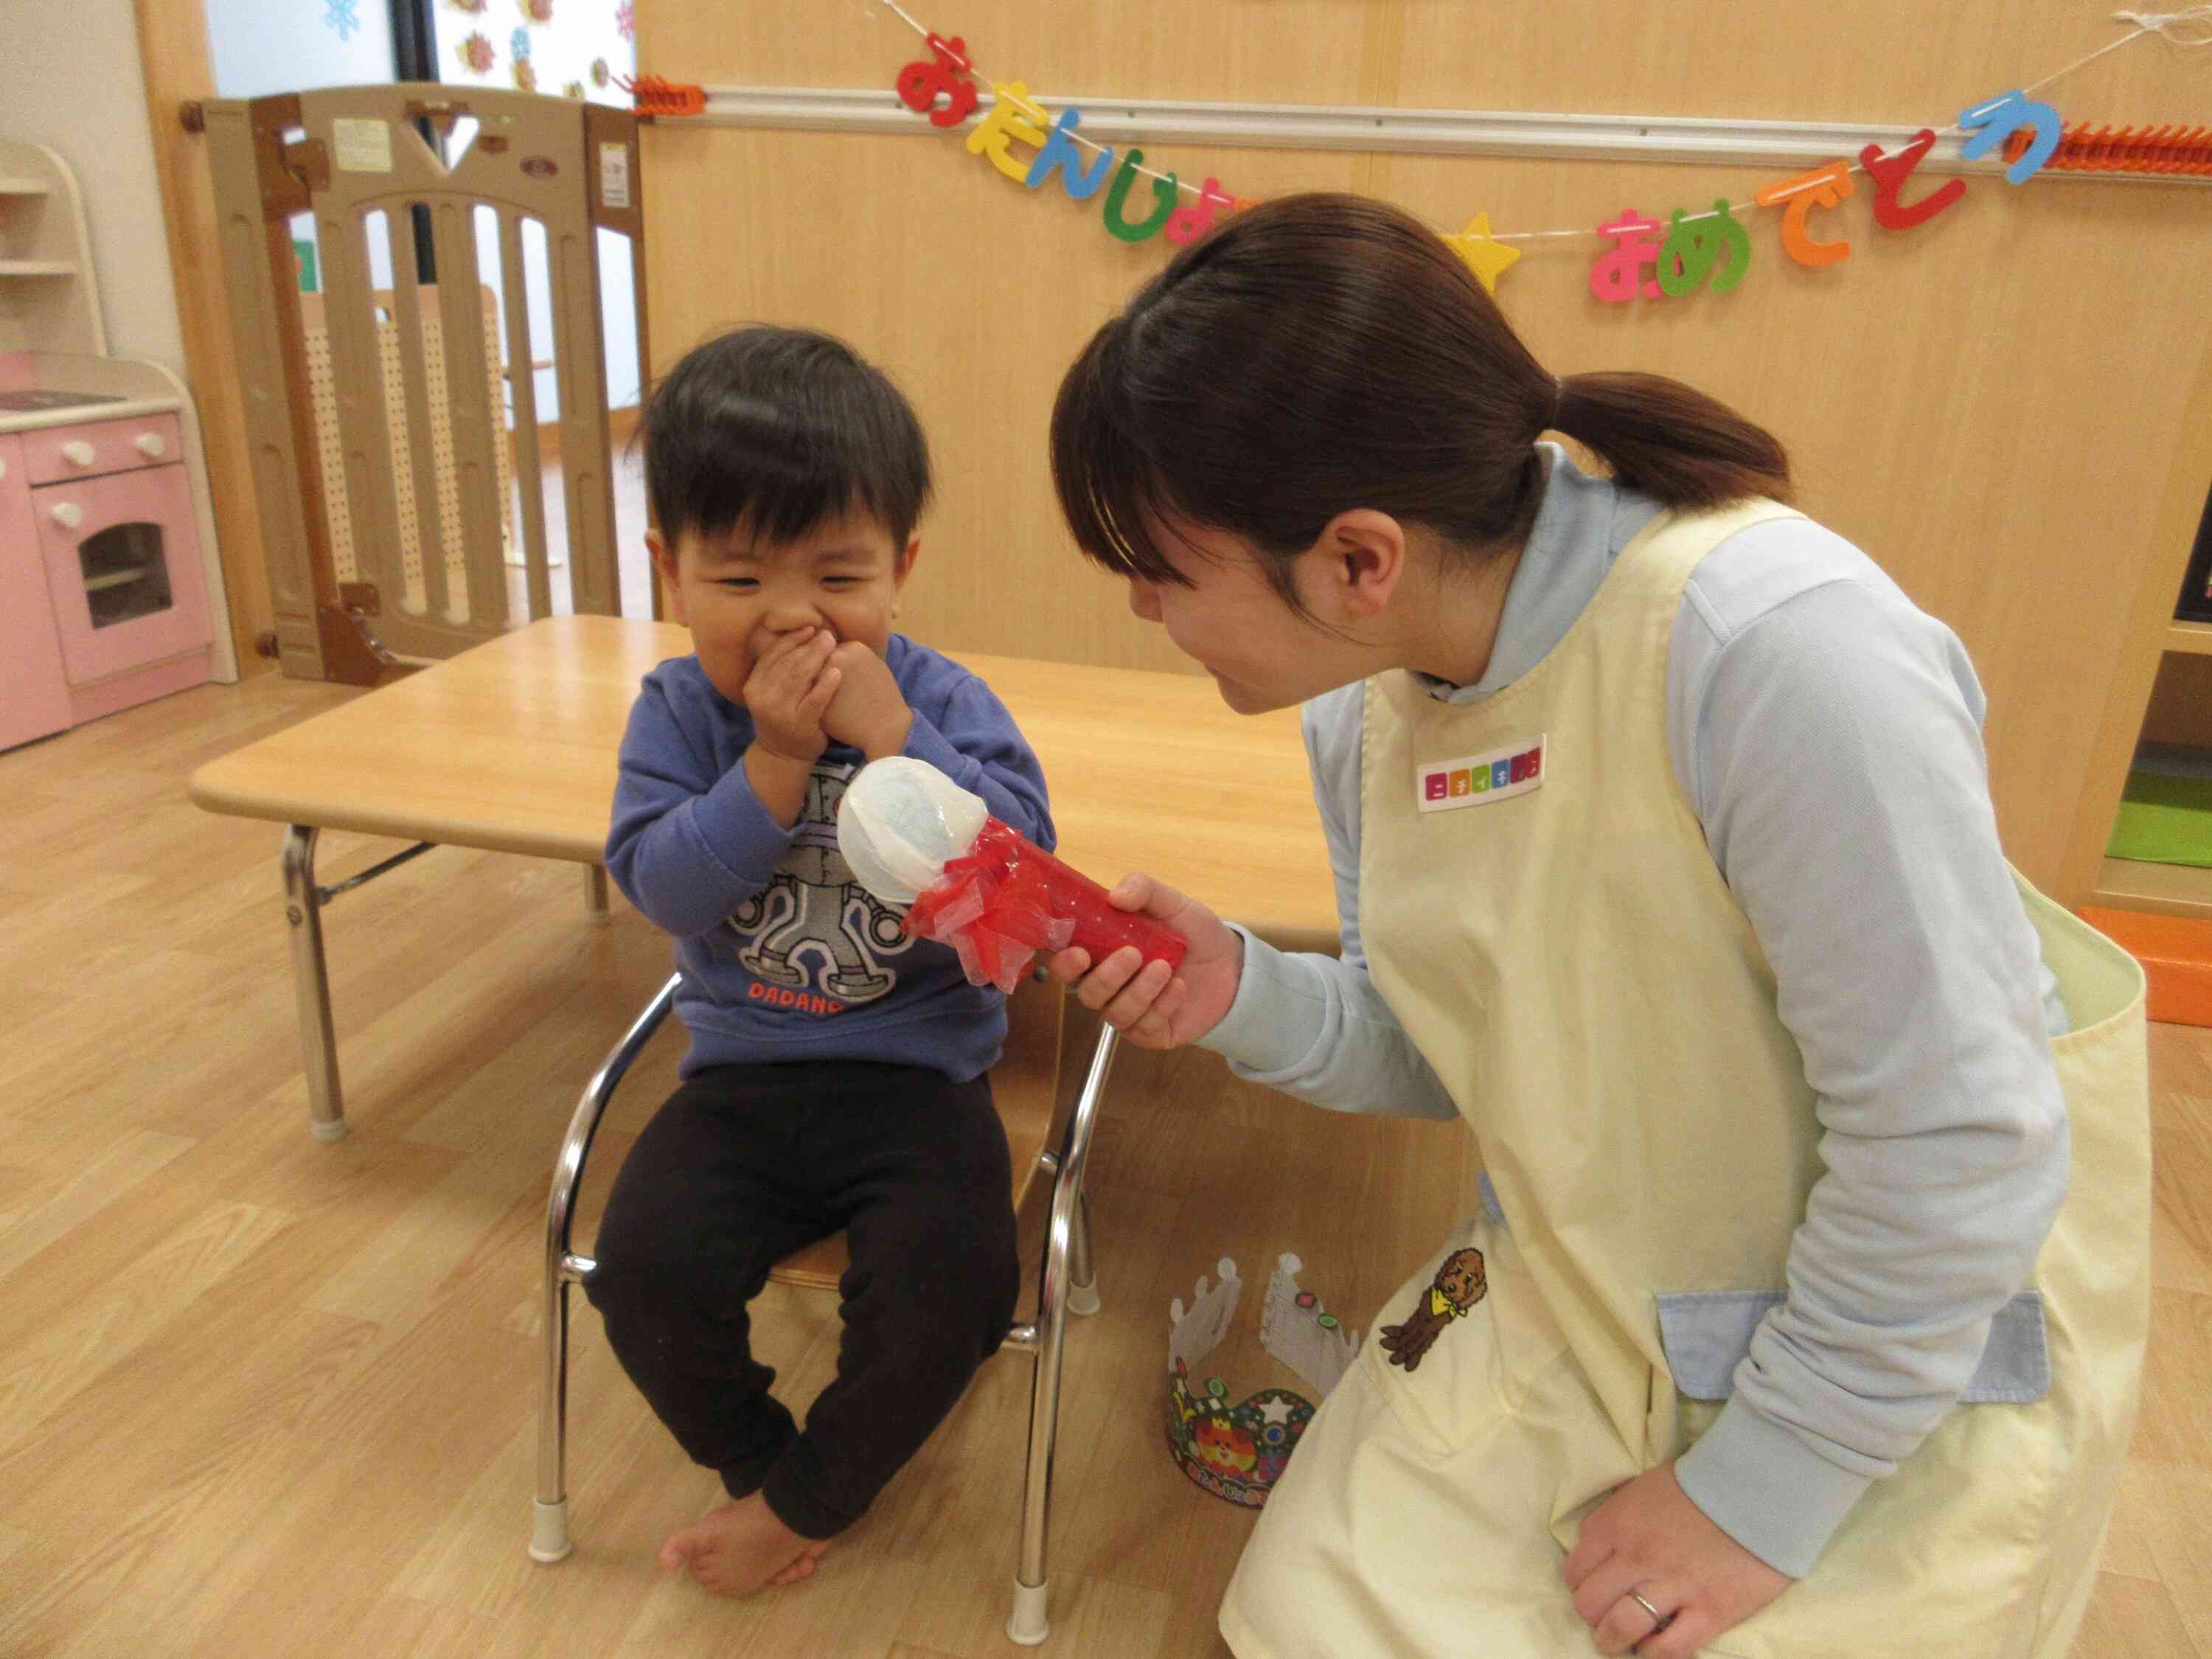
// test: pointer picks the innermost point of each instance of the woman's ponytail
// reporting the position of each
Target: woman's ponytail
(1671, 441)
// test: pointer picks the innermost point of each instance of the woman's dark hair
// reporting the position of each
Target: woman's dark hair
(1320, 352)
(780, 430)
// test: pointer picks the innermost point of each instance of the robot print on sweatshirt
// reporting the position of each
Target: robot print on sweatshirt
(814, 928)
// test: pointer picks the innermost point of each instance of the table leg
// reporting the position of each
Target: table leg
(595, 894)
(311, 984)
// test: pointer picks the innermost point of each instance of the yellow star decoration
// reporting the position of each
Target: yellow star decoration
(1486, 258)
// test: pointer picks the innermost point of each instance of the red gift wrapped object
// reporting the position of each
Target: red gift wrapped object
(1007, 898)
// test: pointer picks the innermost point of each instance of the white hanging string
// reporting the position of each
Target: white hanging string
(2175, 28)
(2166, 25)
(2163, 22)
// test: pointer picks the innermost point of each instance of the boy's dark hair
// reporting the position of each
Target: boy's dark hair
(778, 429)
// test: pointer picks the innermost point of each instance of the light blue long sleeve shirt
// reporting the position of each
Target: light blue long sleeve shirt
(1828, 734)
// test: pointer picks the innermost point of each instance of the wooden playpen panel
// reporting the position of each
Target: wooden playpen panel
(384, 454)
(329, 448)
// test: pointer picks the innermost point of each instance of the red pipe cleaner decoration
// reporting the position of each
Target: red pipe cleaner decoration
(651, 94)
(2082, 147)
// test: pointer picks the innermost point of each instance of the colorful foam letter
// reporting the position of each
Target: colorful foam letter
(1889, 173)
(1186, 224)
(921, 85)
(1693, 246)
(1617, 275)
(1013, 118)
(1063, 154)
(1997, 119)
(1166, 192)
(1824, 186)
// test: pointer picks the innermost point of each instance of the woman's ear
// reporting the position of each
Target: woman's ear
(1358, 562)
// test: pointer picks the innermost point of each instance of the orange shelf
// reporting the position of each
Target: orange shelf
(2175, 953)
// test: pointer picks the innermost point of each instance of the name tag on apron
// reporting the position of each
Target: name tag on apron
(1480, 780)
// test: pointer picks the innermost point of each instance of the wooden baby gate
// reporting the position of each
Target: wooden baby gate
(379, 417)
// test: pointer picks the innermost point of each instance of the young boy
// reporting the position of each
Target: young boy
(836, 1077)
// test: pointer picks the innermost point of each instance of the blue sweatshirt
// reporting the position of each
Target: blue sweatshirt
(784, 956)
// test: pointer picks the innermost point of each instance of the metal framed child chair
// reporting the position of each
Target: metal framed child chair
(1043, 1142)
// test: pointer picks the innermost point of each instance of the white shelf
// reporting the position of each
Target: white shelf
(2193, 638)
(44, 241)
(113, 579)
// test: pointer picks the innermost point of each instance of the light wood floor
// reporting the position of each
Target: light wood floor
(260, 1397)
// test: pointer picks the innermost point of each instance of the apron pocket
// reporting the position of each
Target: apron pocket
(1706, 1333)
(1458, 1350)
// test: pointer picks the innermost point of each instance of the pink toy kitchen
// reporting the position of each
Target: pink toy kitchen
(110, 593)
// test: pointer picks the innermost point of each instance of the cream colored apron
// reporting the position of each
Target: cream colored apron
(1567, 956)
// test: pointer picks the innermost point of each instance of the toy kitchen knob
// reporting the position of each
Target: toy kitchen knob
(153, 446)
(77, 453)
(69, 516)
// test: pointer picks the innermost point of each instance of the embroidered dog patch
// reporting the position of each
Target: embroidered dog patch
(1459, 1283)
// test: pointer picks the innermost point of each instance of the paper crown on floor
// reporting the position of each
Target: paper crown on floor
(1238, 1451)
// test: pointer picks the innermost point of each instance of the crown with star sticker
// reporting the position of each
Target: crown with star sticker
(1237, 1452)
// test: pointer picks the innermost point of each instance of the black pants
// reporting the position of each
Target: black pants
(746, 1164)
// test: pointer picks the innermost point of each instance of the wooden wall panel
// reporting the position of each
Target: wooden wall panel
(975, 294)
(1996, 406)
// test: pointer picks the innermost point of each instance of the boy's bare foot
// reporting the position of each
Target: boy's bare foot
(804, 1566)
(736, 1549)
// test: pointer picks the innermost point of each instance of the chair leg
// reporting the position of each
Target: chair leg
(548, 1520)
(1082, 1274)
(1029, 1623)
(548, 1529)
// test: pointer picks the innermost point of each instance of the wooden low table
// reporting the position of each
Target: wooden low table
(511, 747)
